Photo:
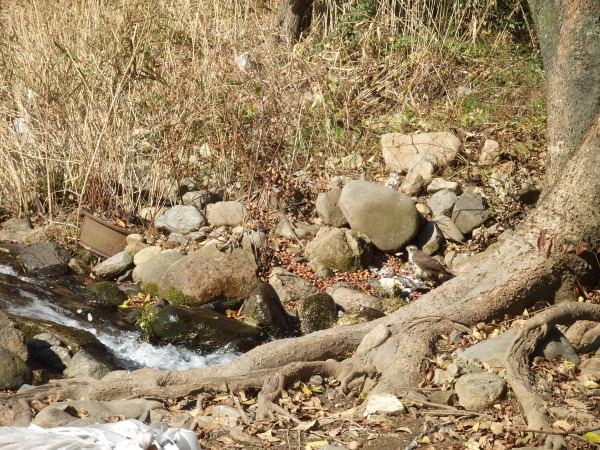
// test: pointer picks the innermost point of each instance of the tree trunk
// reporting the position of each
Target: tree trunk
(293, 18)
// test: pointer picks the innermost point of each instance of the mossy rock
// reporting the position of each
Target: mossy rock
(198, 328)
(317, 312)
(13, 370)
(73, 338)
(107, 291)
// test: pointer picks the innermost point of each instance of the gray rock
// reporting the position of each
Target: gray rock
(134, 237)
(352, 300)
(317, 312)
(430, 238)
(145, 254)
(154, 268)
(78, 266)
(200, 199)
(328, 208)
(11, 338)
(398, 149)
(177, 237)
(263, 309)
(476, 390)
(442, 203)
(150, 213)
(439, 184)
(417, 396)
(65, 413)
(421, 170)
(13, 370)
(448, 228)
(321, 270)
(302, 230)
(384, 404)
(289, 286)
(114, 266)
(133, 248)
(181, 218)
(387, 217)
(441, 397)
(230, 414)
(82, 364)
(197, 236)
(46, 259)
(340, 249)
(490, 153)
(491, 351)
(412, 184)
(442, 377)
(469, 211)
(203, 279)
(229, 214)
(556, 345)
(17, 225)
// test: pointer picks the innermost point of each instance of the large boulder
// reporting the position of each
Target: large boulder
(264, 310)
(399, 149)
(199, 328)
(203, 278)
(181, 218)
(387, 217)
(154, 268)
(340, 249)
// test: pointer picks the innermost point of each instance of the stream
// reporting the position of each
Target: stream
(59, 301)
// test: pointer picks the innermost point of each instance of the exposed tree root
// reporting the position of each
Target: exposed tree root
(274, 385)
(518, 356)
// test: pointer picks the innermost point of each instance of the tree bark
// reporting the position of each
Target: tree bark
(293, 18)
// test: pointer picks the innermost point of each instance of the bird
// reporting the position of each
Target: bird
(425, 264)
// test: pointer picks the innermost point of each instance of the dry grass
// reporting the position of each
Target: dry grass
(124, 99)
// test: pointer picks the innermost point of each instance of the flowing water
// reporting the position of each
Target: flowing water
(29, 297)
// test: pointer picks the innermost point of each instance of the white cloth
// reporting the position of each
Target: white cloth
(128, 434)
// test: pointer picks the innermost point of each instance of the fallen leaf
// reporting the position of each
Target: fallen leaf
(575, 403)
(404, 429)
(592, 437)
(268, 436)
(497, 428)
(354, 445)
(305, 426)
(315, 444)
(335, 431)
(225, 440)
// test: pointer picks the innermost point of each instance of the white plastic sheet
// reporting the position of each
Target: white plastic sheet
(124, 435)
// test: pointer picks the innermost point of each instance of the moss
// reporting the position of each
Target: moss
(176, 297)
(151, 288)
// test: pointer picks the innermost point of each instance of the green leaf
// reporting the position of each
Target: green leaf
(592, 437)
